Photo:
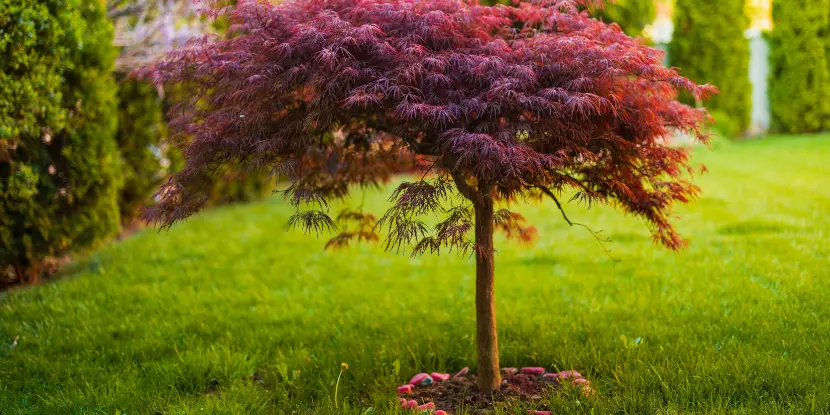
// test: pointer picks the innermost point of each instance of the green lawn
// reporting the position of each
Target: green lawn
(228, 313)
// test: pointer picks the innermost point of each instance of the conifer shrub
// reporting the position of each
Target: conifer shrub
(142, 130)
(632, 15)
(709, 46)
(799, 84)
(238, 186)
(59, 163)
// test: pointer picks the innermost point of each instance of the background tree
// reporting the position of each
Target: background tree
(800, 67)
(504, 103)
(709, 45)
(59, 165)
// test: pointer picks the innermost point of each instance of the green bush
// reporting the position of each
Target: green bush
(141, 132)
(59, 165)
(827, 44)
(800, 65)
(725, 125)
(238, 185)
(631, 15)
(709, 47)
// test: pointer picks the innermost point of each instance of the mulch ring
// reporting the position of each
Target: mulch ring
(528, 386)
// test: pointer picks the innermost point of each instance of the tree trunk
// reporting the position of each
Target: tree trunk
(26, 273)
(488, 375)
(34, 274)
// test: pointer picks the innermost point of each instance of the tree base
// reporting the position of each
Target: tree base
(520, 392)
(19, 274)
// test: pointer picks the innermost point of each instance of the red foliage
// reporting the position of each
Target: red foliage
(532, 100)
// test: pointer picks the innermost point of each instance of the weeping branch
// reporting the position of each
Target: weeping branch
(601, 240)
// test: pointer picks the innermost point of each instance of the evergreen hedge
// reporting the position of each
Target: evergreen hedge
(142, 128)
(632, 15)
(709, 47)
(800, 65)
(59, 164)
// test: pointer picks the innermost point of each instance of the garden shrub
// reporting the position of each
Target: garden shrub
(238, 185)
(59, 164)
(141, 131)
(800, 67)
(725, 125)
(632, 15)
(709, 47)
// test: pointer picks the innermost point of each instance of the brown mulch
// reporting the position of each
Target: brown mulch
(46, 270)
(462, 393)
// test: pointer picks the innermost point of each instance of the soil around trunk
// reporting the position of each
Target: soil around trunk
(461, 393)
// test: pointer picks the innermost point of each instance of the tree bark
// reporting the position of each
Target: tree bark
(34, 274)
(26, 273)
(488, 375)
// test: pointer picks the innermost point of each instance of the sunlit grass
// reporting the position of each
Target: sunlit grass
(228, 313)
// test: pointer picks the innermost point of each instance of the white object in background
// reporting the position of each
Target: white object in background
(759, 77)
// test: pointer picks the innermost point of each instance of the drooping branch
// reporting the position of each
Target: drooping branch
(596, 234)
(550, 194)
(452, 232)
(310, 221)
(356, 226)
(514, 226)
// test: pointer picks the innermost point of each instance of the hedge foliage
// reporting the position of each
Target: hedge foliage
(709, 47)
(800, 65)
(59, 164)
(632, 15)
(142, 130)
(237, 185)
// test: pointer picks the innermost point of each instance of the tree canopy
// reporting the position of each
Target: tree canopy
(533, 100)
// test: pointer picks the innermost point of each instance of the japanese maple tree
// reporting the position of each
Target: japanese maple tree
(497, 104)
